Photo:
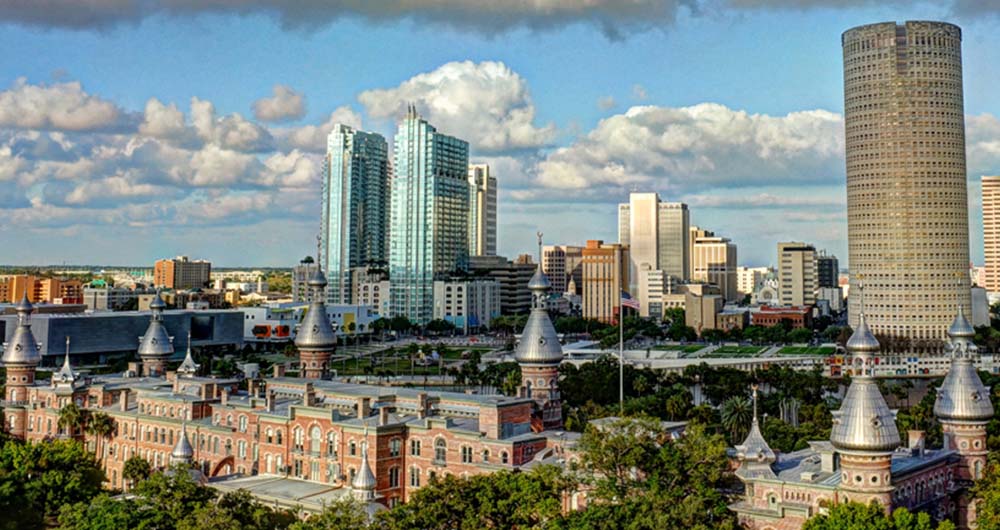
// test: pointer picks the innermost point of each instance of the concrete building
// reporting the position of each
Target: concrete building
(865, 459)
(651, 289)
(656, 234)
(95, 336)
(797, 274)
(605, 276)
(300, 277)
(833, 297)
(701, 306)
(14, 287)
(563, 265)
(355, 202)
(980, 313)
(827, 270)
(907, 208)
(430, 213)
(513, 277)
(469, 305)
(182, 273)
(106, 298)
(482, 211)
(747, 278)
(714, 261)
(281, 321)
(991, 232)
(374, 294)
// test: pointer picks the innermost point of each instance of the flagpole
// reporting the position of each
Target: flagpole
(621, 340)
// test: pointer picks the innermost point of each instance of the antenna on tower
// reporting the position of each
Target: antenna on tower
(539, 235)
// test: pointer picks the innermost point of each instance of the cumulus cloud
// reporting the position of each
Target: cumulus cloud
(312, 138)
(982, 140)
(286, 104)
(690, 148)
(228, 132)
(486, 104)
(62, 106)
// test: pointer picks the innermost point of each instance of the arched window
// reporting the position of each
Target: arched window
(440, 450)
(315, 439)
(504, 457)
(270, 436)
(331, 444)
(352, 448)
(395, 447)
(278, 437)
(243, 424)
(297, 438)
(486, 456)
(414, 476)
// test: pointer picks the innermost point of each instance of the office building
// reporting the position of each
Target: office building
(14, 287)
(182, 273)
(827, 270)
(513, 277)
(300, 278)
(714, 261)
(747, 278)
(469, 305)
(907, 209)
(605, 276)
(102, 297)
(656, 234)
(563, 265)
(355, 206)
(482, 211)
(797, 274)
(991, 232)
(430, 213)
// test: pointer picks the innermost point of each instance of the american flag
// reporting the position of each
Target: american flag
(628, 301)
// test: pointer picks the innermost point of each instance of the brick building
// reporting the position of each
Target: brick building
(300, 433)
(796, 316)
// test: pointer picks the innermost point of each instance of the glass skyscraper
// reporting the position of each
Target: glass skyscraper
(355, 207)
(430, 212)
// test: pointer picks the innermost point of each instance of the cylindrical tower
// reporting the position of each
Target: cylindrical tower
(315, 338)
(907, 216)
(20, 357)
(539, 355)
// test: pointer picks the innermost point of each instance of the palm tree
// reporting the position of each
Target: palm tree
(100, 427)
(677, 405)
(72, 418)
(736, 414)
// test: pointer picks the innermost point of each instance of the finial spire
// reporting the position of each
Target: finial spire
(539, 235)
(754, 388)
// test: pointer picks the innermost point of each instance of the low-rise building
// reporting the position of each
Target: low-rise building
(795, 316)
(469, 305)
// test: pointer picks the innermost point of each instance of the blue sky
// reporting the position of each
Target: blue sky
(106, 158)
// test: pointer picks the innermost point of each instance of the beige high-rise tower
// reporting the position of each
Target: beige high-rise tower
(991, 232)
(907, 216)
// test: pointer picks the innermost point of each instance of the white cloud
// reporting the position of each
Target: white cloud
(63, 106)
(286, 104)
(166, 122)
(982, 144)
(229, 132)
(691, 148)
(486, 104)
(312, 138)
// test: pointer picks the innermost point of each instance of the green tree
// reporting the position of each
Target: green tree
(852, 515)
(644, 479)
(72, 419)
(36, 479)
(136, 469)
(100, 426)
(736, 414)
(800, 335)
(345, 514)
(100, 513)
(498, 500)
(987, 494)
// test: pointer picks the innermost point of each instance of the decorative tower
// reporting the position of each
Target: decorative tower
(754, 454)
(20, 357)
(539, 355)
(315, 339)
(864, 429)
(963, 407)
(188, 368)
(156, 346)
(363, 485)
(183, 453)
(64, 380)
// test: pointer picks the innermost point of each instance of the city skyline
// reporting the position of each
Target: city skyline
(129, 168)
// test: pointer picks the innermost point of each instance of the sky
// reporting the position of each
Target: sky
(132, 130)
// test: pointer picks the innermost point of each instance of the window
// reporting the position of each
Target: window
(297, 438)
(315, 439)
(352, 448)
(440, 450)
(243, 424)
(270, 436)
(394, 477)
(278, 437)
(331, 444)
(395, 447)
(414, 476)
(466, 454)
(414, 447)
(503, 457)
(242, 449)
(486, 456)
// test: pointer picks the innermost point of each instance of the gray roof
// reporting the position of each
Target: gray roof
(539, 342)
(317, 279)
(188, 367)
(864, 421)
(156, 342)
(22, 347)
(315, 332)
(364, 480)
(960, 327)
(754, 448)
(65, 374)
(962, 396)
(183, 452)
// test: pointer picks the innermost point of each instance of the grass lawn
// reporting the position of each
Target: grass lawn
(737, 351)
(807, 350)
(683, 348)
